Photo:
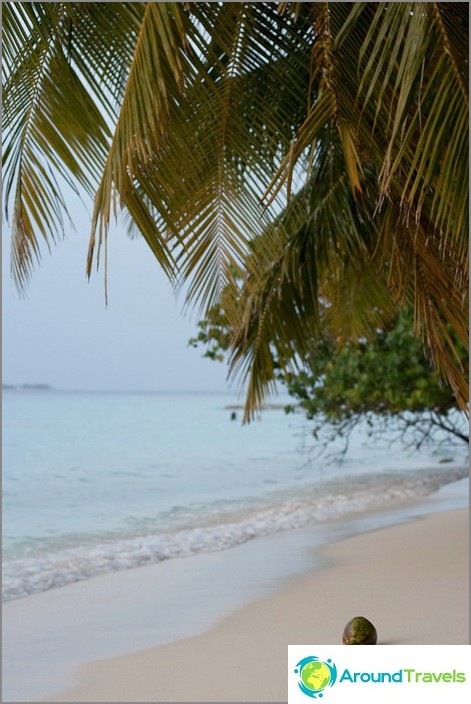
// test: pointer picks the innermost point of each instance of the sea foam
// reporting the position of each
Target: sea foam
(221, 527)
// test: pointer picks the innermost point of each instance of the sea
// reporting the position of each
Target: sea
(95, 482)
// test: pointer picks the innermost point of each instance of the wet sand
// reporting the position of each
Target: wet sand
(203, 628)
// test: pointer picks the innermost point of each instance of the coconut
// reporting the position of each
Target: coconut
(359, 631)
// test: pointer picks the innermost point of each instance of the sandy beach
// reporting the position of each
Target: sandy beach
(410, 579)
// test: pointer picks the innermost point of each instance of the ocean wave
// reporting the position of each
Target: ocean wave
(328, 500)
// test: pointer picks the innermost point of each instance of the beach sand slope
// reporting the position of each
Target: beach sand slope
(410, 580)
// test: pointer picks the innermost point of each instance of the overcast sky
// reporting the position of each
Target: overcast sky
(64, 336)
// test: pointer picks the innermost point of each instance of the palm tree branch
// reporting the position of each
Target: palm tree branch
(44, 137)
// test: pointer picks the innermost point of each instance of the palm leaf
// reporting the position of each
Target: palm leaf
(420, 271)
(242, 118)
(424, 92)
(388, 72)
(55, 136)
(354, 112)
(310, 273)
(155, 81)
(203, 168)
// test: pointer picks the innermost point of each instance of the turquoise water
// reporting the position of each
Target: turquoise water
(95, 482)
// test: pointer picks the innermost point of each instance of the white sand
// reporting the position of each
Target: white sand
(410, 580)
(236, 610)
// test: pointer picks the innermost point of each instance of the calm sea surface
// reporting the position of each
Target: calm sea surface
(95, 482)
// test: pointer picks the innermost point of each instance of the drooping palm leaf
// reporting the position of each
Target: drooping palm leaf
(425, 95)
(418, 271)
(311, 271)
(154, 83)
(55, 135)
(386, 83)
(205, 175)
(358, 111)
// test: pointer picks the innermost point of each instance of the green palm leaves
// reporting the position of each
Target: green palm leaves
(53, 129)
(317, 149)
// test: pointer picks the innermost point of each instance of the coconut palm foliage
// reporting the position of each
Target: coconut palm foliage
(320, 150)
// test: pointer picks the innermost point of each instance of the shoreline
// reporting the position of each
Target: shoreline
(405, 600)
(178, 608)
(215, 527)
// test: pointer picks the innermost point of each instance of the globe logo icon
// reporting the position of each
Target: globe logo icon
(315, 675)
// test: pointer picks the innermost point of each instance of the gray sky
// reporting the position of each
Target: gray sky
(63, 334)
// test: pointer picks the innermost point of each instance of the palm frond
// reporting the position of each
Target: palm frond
(320, 146)
(421, 273)
(329, 102)
(53, 135)
(155, 82)
(241, 120)
(414, 70)
(311, 271)
(203, 168)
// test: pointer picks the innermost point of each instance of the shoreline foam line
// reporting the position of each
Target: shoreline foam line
(47, 635)
(210, 531)
(392, 574)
